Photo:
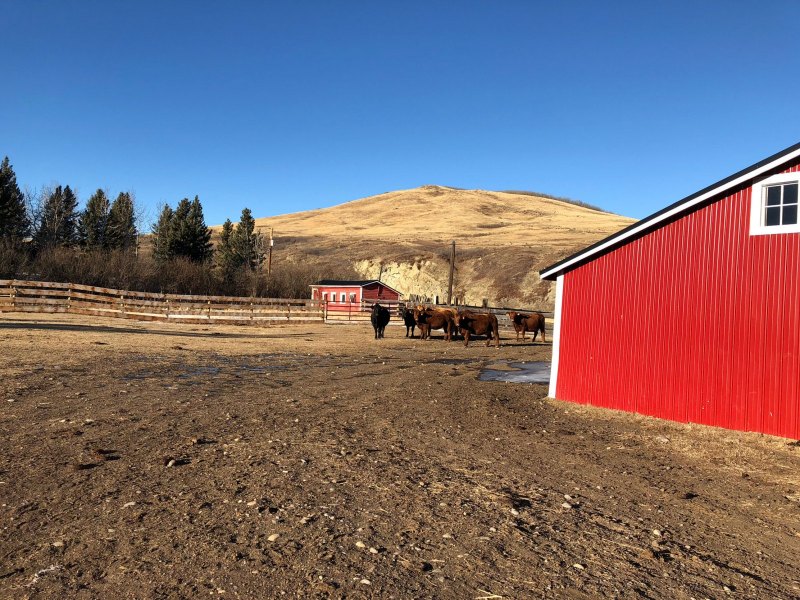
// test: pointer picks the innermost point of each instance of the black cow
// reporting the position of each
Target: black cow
(380, 319)
(408, 319)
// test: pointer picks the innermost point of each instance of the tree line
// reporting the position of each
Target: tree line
(46, 237)
(54, 220)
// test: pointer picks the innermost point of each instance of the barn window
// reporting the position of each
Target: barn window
(324, 296)
(352, 297)
(780, 205)
(774, 205)
(342, 297)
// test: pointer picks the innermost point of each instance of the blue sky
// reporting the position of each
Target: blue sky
(287, 106)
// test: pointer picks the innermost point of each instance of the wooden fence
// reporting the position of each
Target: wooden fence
(48, 297)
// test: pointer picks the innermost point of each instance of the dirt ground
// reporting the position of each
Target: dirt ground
(166, 461)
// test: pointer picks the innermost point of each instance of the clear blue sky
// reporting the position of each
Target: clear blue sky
(287, 106)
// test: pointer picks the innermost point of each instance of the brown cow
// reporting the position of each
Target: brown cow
(431, 318)
(472, 323)
(453, 312)
(523, 322)
(448, 309)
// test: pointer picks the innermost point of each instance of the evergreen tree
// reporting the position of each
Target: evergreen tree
(246, 242)
(58, 220)
(93, 221)
(224, 254)
(191, 238)
(14, 222)
(180, 235)
(69, 229)
(121, 233)
(201, 246)
(225, 237)
(163, 234)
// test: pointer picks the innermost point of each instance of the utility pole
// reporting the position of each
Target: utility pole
(452, 267)
(269, 261)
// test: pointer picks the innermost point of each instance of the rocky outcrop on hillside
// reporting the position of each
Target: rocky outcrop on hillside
(502, 240)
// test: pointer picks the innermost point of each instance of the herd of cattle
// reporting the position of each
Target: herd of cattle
(453, 322)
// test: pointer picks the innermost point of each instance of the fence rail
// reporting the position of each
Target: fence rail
(51, 297)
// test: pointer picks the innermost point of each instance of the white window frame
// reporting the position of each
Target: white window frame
(342, 297)
(758, 192)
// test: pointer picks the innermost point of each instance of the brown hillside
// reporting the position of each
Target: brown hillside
(502, 240)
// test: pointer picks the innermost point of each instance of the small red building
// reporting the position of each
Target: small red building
(693, 313)
(343, 295)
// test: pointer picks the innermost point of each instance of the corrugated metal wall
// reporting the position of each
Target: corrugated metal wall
(378, 292)
(697, 322)
(335, 304)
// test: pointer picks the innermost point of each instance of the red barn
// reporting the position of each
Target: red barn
(693, 313)
(348, 295)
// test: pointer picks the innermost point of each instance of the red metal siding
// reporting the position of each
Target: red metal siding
(368, 293)
(697, 322)
(337, 305)
(376, 291)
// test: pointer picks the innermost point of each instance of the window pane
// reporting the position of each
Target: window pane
(773, 216)
(774, 195)
(790, 214)
(790, 194)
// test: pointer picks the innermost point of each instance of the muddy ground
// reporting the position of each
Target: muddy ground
(160, 461)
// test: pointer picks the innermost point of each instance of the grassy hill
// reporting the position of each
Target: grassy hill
(502, 240)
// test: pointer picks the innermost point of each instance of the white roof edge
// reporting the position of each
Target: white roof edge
(647, 224)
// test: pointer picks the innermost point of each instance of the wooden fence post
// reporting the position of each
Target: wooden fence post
(14, 294)
(122, 305)
(209, 310)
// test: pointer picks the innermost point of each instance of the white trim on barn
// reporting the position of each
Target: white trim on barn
(681, 207)
(556, 335)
